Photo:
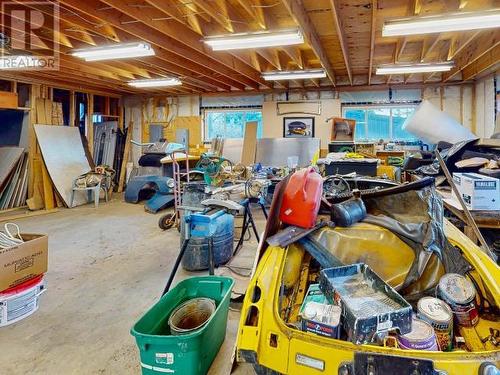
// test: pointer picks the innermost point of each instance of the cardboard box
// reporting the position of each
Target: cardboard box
(478, 192)
(25, 261)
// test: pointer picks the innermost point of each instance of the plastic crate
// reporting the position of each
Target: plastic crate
(192, 353)
(363, 168)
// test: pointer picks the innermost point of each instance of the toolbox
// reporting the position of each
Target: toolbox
(369, 305)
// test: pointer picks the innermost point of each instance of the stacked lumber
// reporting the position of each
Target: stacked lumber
(13, 177)
(44, 195)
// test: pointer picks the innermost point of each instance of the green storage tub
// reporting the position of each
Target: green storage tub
(192, 353)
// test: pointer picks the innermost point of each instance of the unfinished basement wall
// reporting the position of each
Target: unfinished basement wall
(485, 115)
(456, 101)
(273, 122)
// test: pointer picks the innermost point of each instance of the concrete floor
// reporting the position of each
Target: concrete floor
(107, 266)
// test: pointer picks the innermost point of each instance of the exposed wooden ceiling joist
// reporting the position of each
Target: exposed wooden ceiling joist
(348, 50)
(337, 20)
(482, 44)
(299, 14)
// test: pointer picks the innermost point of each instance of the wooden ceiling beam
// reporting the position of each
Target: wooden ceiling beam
(297, 11)
(483, 44)
(372, 39)
(294, 54)
(174, 36)
(458, 44)
(486, 61)
(215, 13)
(250, 7)
(168, 8)
(174, 62)
(34, 78)
(337, 20)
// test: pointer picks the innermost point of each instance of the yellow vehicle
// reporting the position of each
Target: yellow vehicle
(269, 336)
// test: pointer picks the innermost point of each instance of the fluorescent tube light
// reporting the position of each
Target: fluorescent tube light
(159, 82)
(22, 62)
(294, 74)
(442, 23)
(259, 39)
(115, 51)
(414, 68)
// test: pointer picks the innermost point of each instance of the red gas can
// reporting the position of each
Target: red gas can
(302, 198)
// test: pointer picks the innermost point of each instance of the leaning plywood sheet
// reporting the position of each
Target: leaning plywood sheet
(9, 156)
(63, 154)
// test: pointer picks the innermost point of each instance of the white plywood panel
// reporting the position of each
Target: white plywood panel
(489, 107)
(480, 109)
(451, 102)
(63, 154)
(467, 106)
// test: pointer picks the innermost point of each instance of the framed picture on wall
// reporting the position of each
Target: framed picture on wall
(298, 127)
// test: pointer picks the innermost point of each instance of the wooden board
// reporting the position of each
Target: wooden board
(9, 156)
(8, 100)
(249, 144)
(65, 159)
(191, 123)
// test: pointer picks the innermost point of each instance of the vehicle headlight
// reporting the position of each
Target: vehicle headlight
(488, 368)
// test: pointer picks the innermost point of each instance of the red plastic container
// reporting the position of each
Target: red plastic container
(302, 198)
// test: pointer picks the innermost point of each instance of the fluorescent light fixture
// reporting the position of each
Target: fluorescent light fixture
(442, 23)
(158, 82)
(414, 68)
(259, 39)
(22, 62)
(294, 74)
(115, 51)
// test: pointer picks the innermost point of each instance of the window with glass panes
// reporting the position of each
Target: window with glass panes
(230, 123)
(380, 122)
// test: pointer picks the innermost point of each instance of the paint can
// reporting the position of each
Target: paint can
(321, 318)
(21, 301)
(421, 337)
(459, 294)
(439, 315)
(191, 315)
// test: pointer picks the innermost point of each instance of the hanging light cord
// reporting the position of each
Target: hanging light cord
(7, 239)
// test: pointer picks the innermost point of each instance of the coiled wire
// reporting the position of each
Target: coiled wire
(7, 239)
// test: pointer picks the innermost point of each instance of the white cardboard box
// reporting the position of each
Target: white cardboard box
(478, 192)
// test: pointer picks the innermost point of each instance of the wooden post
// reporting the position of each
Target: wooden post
(90, 123)
(473, 109)
(441, 97)
(72, 108)
(462, 104)
(34, 91)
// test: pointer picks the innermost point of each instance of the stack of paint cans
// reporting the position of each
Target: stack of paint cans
(460, 295)
(421, 337)
(439, 315)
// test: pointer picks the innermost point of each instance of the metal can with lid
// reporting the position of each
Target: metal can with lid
(421, 337)
(459, 294)
(439, 315)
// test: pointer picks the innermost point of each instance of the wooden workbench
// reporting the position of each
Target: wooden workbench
(179, 158)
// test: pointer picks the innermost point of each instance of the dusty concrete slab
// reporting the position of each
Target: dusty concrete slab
(107, 266)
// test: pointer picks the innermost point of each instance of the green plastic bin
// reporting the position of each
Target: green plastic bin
(189, 354)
